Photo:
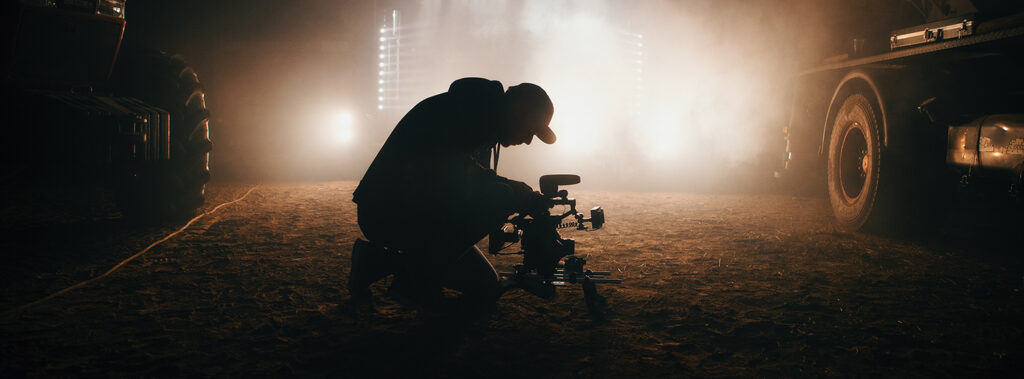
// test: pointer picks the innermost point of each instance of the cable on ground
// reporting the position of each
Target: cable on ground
(129, 259)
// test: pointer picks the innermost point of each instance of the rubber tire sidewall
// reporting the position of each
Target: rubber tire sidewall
(857, 112)
(169, 190)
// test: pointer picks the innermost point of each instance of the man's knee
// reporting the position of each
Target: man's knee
(473, 275)
(380, 225)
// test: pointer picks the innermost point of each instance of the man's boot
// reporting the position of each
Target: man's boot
(370, 263)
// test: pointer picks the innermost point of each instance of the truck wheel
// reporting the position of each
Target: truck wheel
(855, 164)
(172, 189)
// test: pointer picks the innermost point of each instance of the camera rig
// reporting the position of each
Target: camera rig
(543, 249)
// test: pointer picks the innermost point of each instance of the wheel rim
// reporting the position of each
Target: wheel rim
(854, 163)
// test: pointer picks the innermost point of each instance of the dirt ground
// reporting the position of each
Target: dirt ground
(714, 286)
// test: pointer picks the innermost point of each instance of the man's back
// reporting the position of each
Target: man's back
(430, 152)
(431, 167)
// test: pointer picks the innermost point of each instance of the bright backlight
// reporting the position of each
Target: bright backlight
(342, 127)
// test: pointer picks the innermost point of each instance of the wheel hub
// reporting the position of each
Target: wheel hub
(864, 163)
(854, 162)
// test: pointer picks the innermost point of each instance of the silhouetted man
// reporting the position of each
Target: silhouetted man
(429, 195)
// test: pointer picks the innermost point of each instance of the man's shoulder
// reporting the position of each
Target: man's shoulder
(476, 87)
(479, 99)
(465, 92)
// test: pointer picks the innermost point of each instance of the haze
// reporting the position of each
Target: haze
(649, 95)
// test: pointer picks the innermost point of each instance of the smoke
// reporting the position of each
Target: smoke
(653, 94)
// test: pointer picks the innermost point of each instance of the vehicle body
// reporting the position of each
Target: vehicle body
(933, 107)
(78, 110)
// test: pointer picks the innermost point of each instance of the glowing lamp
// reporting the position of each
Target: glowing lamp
(342, 125)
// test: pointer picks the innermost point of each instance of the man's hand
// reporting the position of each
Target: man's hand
(526, 199)
(519, 188)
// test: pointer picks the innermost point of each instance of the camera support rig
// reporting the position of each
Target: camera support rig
(543, 248)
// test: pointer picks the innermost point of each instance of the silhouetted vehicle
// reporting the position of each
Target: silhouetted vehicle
(912, 114)
(78, 110)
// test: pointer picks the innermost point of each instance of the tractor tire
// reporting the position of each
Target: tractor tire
(174, 189)
(856, 170)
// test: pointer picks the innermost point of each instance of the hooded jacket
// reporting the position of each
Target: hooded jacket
(434, 155)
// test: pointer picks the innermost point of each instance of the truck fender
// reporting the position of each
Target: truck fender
(854, 81)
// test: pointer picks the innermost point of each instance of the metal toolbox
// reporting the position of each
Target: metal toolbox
(932, 32)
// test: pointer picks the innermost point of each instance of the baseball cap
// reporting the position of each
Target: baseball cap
(539, 108)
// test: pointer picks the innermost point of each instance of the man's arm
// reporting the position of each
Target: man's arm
(524, 197)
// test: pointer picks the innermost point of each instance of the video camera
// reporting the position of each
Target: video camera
(543, 248)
